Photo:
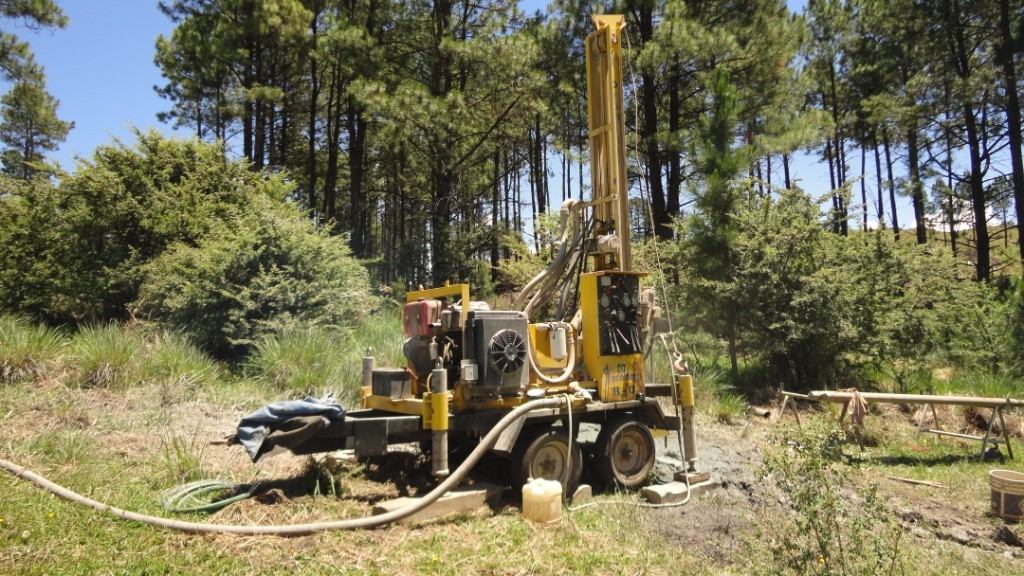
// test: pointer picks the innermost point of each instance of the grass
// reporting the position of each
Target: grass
(728, 407)
(182, 458)
(978, 383)
(106, 356)
(41, 534)
(318, 360)
(27, 350)
(172, 360)
(123, 443)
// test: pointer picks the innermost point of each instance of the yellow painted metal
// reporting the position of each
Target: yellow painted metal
(685, 383)
(460, 290)
(364, 393)
(540, 343)
(439, 409)
(410, 406)
(618, 377)
(607, 123)
(435, 409)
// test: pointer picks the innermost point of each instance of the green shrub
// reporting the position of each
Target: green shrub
(815, 309)
(27, 350)
(268, 271)
(73, 250)
(824, 530)
(1016, 317)
(106, 356)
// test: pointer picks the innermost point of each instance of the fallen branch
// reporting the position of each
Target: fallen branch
(918, 482)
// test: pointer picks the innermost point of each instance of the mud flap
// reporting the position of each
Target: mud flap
(507, 440)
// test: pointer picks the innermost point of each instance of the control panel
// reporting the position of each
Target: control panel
(617, 315)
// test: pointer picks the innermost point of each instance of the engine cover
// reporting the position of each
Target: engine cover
(497, 341)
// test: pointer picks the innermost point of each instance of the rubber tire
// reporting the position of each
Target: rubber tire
(612, 434)
(531, 444)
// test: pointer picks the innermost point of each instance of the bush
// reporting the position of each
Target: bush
(265, 272)
(1016, 316)
(27, 350)
(106, 356)
(819, 309)
(823, 531)
(73, 251)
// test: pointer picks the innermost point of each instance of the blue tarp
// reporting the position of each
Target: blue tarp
(254, 428)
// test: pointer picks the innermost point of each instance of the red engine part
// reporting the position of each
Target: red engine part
(418, 316)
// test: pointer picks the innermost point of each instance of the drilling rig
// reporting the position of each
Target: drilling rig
(467, 366)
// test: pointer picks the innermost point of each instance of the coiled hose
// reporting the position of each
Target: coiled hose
(295, 529)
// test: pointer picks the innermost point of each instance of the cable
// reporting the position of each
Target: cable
(294, 529)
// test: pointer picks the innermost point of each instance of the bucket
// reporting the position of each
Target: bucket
(542, 500)
(1007, 494)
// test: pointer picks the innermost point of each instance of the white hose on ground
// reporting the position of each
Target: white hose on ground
(295, 529)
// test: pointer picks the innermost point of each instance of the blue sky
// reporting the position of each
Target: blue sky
(101, 69)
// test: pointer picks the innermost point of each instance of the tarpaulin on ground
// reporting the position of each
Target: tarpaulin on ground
(314, 415)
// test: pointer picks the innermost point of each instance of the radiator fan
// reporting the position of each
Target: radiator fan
(508, 351)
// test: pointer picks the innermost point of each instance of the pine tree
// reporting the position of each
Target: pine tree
(29, 127)
(16, 60)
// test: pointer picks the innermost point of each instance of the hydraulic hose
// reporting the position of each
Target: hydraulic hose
(570, 365)
(295, 529)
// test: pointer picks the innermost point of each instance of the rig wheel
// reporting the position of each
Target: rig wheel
(544, 453)
(625, 453)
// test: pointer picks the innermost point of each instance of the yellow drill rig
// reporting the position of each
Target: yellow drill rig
(468, 365)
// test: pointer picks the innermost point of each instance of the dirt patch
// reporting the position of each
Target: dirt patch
(717, 526)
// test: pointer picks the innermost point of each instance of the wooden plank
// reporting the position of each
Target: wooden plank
(459, 500)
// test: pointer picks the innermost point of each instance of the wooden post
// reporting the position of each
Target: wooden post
(984, 441)
(1006, 433)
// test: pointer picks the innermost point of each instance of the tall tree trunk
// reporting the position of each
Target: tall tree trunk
(356, 165)
(314, 97)
(1013, 120)
(916, 187)
(785, 171)
(333, 143)
(495, 220)
(878, 182)
(675, 178)
(649, 133)
(961, 61)
(832, 183)
(863, 186)
(891, 183)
